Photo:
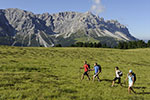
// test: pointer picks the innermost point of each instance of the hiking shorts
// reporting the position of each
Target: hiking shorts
(86, 73)
(130, 84)
(117, 78)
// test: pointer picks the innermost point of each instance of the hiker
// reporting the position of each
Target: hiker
(97, 69)
(118, 76)
(131, 79)
(86, 69)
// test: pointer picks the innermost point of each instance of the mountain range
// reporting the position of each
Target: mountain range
(23, 28)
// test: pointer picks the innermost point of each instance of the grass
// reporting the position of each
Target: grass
(86, 39)
(53, 73)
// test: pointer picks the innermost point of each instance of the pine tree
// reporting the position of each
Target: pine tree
(79, 44)
(99, 45)
(91, 44)
(120, 45)
(148, 43)
(125, 45)
(95, 45)
(141, 44)
(58, 45)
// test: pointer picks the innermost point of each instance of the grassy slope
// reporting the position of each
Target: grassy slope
(86, 39)
(53, 73)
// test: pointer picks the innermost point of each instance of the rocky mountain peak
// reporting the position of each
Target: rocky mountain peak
(29, 29)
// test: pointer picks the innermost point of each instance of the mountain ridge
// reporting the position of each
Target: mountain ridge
(28, 29)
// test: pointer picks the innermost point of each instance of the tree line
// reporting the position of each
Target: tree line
(133, 44)
(86, 44)
(120, 45)
(89, 44)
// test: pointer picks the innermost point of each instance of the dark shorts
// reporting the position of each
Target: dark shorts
(86, 73)
(117, 78)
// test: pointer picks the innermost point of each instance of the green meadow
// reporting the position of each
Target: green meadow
(28, 73)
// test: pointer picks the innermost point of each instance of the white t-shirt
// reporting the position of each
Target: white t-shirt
(117, 73)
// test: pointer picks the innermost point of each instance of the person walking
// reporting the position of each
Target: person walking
(97, 69)
(118, 76)
(131, 79)
(86, 69)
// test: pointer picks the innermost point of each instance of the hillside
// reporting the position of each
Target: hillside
(24, 28)
(54, 74)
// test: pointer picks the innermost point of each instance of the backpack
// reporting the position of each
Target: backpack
(134, 76)
(99, 68)
(120, 73)
(88, 66)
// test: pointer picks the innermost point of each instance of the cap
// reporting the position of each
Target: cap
(130, 71)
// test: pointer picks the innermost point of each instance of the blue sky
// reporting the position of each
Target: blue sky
(135, 14)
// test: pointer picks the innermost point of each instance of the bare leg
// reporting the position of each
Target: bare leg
(82, 77)
(113, 83)
(130, 89)
(93, 78)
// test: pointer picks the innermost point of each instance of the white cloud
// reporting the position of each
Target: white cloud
(93, 7)
(97, 1)
(97, 7)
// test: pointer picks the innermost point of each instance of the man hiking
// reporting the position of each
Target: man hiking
(118, 76)
(97, 69)
(86, 69)
(131, 79)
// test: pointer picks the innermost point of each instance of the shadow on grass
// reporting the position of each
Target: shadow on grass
(135, 87)
(107, 80)
(140, 87)
(143, 88)
(143, 93)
